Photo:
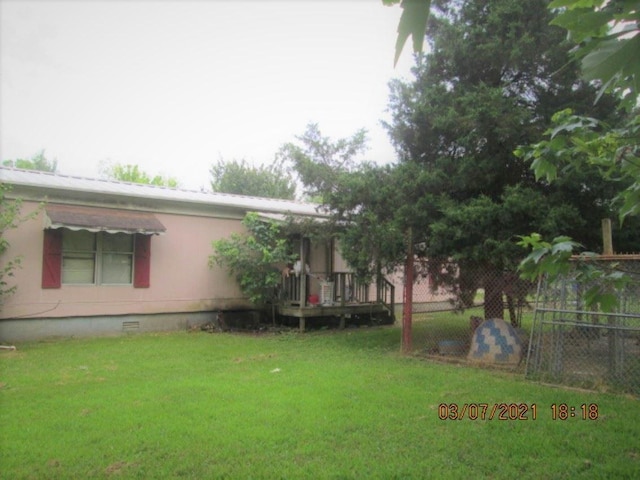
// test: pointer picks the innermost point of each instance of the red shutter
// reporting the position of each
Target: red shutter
(142, 262)
(52, 259)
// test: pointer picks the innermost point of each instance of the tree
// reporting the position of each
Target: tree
(605, 31)
(133, 174)
(608, 48)
(240, 178)
(360, 198)
(496, 73)
(320, 162)
(10, 217)
(253, 258)
(37, 162)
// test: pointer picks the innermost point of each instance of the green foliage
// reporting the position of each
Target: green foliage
(413, 23)
(608, 44)
(361, 198)
(9, 218)
(37, 162)
(255, 258)
(550, 258)
(574, 143)
(240, 178)
(495, 73)
(133, 174)
(557, 258)
(322, 163)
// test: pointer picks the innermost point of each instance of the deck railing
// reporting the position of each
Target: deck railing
(348, 288)
(386, 294)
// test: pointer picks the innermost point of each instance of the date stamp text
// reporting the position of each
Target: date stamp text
(515, 411)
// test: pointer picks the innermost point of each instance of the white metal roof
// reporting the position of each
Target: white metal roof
(50, 181)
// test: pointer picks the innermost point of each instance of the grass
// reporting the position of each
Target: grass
(318, 405)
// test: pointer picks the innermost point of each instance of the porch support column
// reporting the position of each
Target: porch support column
(343, 294)
(303, 275)
(303, 283)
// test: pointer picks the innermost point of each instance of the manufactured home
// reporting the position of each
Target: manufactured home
(101, 257)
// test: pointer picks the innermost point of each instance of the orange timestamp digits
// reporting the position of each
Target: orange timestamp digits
(563, 411)
(487, 411)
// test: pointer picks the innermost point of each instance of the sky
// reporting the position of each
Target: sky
(173, 86)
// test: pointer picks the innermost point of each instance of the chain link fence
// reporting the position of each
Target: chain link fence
(559, 340)
(573, 344)
(450, 303)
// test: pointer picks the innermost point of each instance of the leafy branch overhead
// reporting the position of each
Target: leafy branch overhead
(413, 23)
(607, 41)
(600, 282)
(575, 142)
(606, 35)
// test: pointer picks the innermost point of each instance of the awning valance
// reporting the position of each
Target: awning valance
(96, 219)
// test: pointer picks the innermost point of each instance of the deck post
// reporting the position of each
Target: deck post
(303, 275)
(607, 239)
(301, 324)
(343, 292)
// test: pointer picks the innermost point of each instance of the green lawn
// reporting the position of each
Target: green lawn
(316, 405)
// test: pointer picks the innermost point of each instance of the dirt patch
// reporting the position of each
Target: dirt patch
(118, 467)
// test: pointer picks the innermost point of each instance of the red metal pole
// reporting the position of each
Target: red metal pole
(408, 295)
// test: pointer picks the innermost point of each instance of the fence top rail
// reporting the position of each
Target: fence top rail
(602, 326)
(589, 312)
(606, 258)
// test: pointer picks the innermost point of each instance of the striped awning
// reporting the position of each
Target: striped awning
(94, 219)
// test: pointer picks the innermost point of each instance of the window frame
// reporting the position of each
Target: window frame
(52, 260)
(99, 252)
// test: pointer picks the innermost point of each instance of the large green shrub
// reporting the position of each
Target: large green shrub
(255, 258)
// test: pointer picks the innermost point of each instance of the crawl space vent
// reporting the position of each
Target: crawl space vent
(130, 326)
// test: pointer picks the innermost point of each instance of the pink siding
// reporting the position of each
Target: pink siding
(180, 280)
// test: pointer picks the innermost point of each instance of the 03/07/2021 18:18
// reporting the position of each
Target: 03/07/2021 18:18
(514, 411)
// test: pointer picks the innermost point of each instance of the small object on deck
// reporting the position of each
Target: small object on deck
(326, 293)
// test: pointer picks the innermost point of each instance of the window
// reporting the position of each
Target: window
(97, 258)
(78, 257)
(117, 258)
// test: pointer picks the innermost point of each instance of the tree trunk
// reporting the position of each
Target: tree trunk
(493, 302)
(511, 306)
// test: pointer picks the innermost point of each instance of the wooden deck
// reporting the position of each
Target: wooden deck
(341, 311)
(347, 296)
(331, 310)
